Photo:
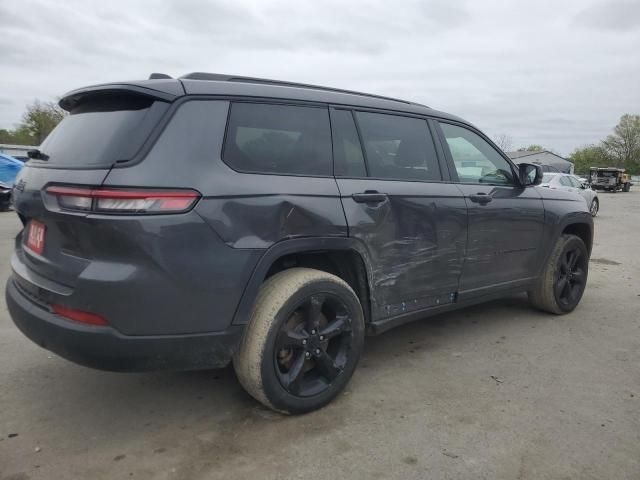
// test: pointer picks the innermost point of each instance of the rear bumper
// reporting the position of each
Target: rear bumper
(105, 348)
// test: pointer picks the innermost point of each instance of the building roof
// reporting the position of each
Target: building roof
(543, 157)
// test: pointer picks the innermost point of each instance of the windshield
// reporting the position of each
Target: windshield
(100, 131)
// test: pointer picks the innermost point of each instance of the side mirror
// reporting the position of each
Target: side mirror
(530, 174)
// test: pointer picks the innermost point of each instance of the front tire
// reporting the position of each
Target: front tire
(303, 341)
(595, 206)
(561, 285)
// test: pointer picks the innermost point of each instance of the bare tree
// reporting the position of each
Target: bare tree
(504, 141)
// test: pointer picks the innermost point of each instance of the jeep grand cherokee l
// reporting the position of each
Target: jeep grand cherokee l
(193, 222)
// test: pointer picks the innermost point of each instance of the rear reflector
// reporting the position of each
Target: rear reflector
(79, 316)
(123, 201)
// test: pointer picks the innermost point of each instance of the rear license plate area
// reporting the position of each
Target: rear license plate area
(36, 236)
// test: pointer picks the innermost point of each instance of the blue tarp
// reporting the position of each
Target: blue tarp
(9, 168)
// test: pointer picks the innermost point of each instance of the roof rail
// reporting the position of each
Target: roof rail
(220, 77)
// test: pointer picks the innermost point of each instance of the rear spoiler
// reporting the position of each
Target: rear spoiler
(164, 90)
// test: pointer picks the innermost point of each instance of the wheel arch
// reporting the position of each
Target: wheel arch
(344, 257)
(583, 230)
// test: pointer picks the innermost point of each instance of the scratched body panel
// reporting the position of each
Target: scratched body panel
(249, 211)
(260, 220)
(416, 240)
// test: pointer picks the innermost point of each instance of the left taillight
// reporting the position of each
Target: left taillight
(124, 201)
(80, 316)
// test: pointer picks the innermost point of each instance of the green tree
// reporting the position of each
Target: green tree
(532, 148)
(40, 118)
(37, 122)
(589, 156)
(624, 144)
(19, 136)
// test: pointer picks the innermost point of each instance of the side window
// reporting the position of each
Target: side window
(575, 182)
(398, 147)
(565, 181)
(283, 139)
(476, 161)
(347, 152)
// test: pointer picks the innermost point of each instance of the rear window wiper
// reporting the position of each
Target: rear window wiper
(37, 155)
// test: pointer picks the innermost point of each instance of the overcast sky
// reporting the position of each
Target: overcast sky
(559, 73)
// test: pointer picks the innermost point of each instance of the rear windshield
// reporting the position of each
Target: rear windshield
(101, 131)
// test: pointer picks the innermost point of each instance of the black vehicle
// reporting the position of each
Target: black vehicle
(5, 196)
(187, 223)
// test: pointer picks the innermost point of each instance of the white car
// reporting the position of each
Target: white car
(571, 183)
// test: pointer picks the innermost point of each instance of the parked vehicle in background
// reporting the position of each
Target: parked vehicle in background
(5, 196)
(9, 168)
(189, 223)
(571, 183)
(611, 179)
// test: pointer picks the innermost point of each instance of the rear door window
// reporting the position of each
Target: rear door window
(564, 181)
(398, 147)
(575, 182)
(102, 130)
(283, 139)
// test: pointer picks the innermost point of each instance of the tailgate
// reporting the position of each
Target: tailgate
(65, 252)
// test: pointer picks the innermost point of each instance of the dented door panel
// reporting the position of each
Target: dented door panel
(416, 239)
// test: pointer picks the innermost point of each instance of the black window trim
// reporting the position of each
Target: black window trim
(284, 102)
(332, 111)
(434, 121)
(451, 165)
(444, 172)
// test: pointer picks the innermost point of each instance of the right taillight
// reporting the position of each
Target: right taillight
(124, 201)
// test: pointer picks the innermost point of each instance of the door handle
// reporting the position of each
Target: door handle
(481, 198)
(369, 196)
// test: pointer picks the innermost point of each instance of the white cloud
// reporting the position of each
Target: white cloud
(555, 73)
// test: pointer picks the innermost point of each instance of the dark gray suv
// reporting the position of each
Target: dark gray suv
(187, 223)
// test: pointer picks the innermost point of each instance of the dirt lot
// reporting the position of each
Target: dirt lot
(498, 391)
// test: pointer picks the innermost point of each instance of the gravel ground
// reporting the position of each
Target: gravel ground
(497, 391)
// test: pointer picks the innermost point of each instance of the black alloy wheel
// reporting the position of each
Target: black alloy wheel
(313, 345)
(572, 277)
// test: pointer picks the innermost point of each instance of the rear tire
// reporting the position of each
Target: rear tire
(303, 341)
(626, 187)
(562, 283)
(594, 207)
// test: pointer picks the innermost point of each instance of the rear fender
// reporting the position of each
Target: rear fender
(288, 247)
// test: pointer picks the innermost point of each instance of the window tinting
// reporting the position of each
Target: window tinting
(347, 152)
(398, 147)
(101, 130)
(281, 139)
(476, 161)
